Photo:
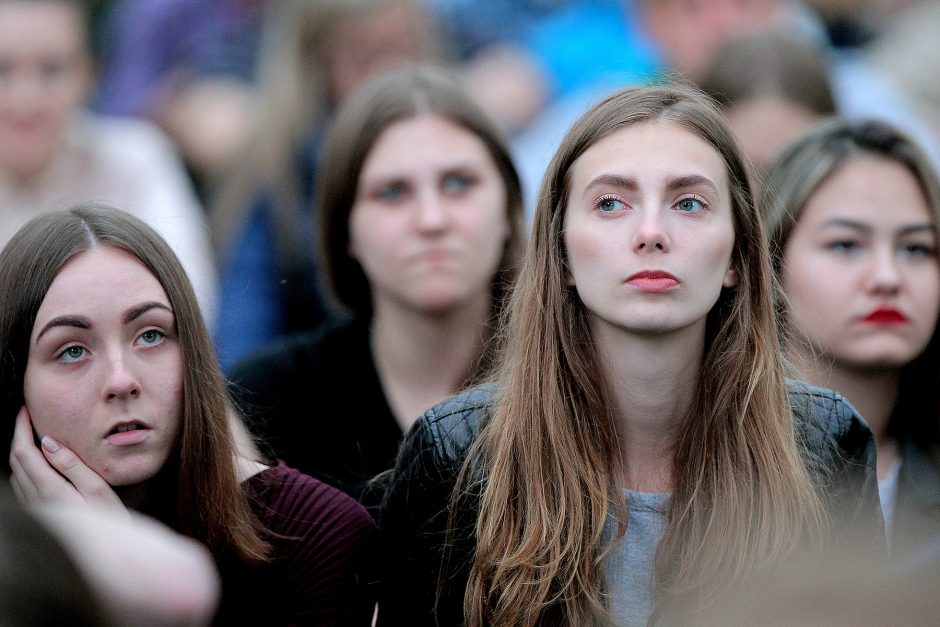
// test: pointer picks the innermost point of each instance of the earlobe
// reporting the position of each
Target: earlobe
(731, 278)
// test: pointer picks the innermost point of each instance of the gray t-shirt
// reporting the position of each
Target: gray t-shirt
(630, 566)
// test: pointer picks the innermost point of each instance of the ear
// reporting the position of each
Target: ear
(731, 278)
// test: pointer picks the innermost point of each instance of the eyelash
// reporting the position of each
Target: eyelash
(60, 356)
(696, 198)
(607, 198)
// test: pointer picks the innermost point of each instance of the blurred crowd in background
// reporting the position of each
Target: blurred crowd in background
(240, 91)
(208, 118)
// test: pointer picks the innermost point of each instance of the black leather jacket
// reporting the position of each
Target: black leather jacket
(414, 515)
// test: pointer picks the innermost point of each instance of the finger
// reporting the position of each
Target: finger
(37, 479)
(24, 488)
(89, 484)
(18, 491)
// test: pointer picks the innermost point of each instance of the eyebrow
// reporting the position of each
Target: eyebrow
(65, 321)
(672, 184)
(80, 322)
(865, 228)
(136, 312)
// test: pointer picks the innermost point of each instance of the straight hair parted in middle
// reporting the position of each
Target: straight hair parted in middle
(742, 496)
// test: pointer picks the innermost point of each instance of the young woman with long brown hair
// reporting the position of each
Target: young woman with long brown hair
(638, 451)
(853, 212)
(421, 232)
(110, 394)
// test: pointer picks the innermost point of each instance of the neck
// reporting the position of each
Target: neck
(422, 358)
(651, 381)
(873, 392)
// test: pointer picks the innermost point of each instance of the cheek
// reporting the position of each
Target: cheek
(55, 411)
(369, 235)
(926, 291)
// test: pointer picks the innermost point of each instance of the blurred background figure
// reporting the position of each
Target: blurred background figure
(54, 153)
(594, 46)
(84, 566)
(853, 209)
(421, 227)
(772, 88)
(313, 53)
(905, 54)
(188, 65)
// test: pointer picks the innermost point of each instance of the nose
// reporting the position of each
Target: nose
(885, 275)
(650, 235)
(432, 214)
(120, 383)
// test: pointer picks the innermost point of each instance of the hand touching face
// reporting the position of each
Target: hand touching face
(104, 376)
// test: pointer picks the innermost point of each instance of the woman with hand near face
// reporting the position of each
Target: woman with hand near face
(105, 362)
(853, 211)
(421, 226)
(638, 451)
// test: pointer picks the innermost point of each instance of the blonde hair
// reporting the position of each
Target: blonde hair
(743, 496)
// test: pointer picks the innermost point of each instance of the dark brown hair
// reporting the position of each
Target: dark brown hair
(210, 504)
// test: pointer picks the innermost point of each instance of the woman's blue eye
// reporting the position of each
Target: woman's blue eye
(151, 336)
(608, 205)
(456, 183)
(690, 205)
(391, 191)
(72, 353)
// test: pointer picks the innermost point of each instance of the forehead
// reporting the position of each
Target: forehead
(424, 140)
(46, 24)
(100, 280)
(651, 152)
(869, 188)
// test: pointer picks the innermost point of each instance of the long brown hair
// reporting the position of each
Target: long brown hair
(795, 177)
(742, 495)
(210, 504)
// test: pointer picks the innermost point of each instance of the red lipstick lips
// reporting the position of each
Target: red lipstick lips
(652, 281)
(885, 315)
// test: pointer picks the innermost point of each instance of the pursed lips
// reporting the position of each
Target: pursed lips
(652, 281)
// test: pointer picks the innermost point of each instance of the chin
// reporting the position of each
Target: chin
(121, 475)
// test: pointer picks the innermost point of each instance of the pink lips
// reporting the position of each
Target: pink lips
(128, 434)
(885, 315)
(652, 281)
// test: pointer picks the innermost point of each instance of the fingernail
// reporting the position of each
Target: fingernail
(50, 445)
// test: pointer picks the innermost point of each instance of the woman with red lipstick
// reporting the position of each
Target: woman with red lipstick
(421, 230)
(110, 394)
(638, 452)
(853, 211)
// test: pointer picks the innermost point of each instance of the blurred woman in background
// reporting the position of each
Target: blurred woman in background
(853, 210)
(421, 228)
(312, 54)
